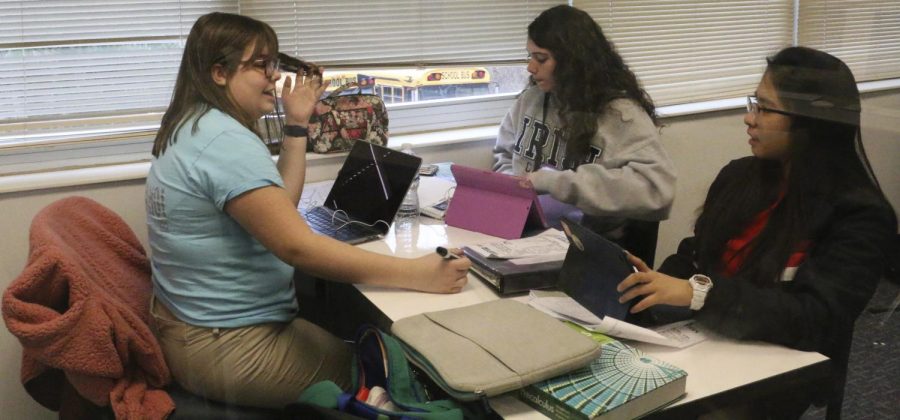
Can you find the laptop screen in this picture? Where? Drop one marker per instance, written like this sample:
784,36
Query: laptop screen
372,183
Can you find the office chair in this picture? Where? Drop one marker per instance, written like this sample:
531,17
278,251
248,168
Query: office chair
640,239
892,274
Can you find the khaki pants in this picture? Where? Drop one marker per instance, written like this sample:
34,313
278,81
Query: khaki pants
265,365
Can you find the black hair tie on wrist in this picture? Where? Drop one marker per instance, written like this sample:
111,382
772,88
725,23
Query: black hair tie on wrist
295,131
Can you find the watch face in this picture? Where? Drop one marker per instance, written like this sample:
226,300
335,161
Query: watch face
701,282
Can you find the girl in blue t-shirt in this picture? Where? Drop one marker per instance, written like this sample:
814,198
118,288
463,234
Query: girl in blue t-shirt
225,233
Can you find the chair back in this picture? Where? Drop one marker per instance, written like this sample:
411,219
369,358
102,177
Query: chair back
640,239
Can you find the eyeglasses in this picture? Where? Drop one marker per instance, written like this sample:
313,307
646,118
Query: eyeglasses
755,108
267,65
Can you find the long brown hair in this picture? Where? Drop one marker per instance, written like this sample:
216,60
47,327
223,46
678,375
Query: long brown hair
215,38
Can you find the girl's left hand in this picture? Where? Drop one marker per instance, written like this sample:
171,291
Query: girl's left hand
657,288
300,101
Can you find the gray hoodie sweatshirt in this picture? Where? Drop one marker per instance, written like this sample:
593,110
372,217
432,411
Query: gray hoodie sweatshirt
628,173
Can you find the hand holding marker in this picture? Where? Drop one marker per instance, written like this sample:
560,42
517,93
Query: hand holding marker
445,253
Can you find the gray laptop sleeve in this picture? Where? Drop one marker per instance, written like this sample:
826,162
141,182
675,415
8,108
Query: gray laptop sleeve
490,348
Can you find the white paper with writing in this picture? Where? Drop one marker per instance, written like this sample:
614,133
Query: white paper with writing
550,245
680,334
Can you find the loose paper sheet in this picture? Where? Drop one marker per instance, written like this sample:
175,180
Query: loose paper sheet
550,245
680,334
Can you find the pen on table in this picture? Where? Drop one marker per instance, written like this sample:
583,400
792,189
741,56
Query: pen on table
445,253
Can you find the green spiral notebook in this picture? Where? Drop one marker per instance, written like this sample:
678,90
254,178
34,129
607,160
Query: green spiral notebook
623,383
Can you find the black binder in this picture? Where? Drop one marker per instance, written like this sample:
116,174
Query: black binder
508,278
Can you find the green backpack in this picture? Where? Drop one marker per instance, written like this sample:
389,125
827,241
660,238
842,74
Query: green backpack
379,360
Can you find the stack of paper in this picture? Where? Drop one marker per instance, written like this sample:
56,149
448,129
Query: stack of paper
550,245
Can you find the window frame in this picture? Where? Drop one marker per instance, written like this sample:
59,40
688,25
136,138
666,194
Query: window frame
70,147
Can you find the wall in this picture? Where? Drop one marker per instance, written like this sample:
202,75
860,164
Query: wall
699,145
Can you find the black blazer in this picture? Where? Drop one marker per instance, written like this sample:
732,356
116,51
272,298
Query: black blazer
853,233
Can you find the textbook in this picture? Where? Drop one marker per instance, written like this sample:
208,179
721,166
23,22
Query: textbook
623,383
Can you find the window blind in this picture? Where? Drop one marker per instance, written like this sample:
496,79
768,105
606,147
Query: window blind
66,59
864,34
684,51
400,32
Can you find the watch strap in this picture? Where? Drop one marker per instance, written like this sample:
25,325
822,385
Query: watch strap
698,299
295,131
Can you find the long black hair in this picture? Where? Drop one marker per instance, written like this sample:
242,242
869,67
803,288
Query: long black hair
589,74
825,156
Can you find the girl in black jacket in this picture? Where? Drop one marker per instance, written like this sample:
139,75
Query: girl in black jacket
791,242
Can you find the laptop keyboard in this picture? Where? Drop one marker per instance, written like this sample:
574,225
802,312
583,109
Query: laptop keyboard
320,220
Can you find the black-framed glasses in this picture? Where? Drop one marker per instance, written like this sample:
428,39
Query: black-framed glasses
268,65
755,108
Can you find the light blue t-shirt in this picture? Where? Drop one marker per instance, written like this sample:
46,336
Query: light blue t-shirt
205,266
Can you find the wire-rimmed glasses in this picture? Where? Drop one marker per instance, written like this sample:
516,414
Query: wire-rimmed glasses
755,108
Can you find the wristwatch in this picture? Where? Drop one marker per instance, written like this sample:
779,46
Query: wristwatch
295,131
701,285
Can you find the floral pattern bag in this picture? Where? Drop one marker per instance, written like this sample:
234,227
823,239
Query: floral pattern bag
340,119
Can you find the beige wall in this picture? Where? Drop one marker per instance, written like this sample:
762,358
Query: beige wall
700,145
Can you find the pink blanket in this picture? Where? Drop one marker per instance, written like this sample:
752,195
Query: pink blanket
80,308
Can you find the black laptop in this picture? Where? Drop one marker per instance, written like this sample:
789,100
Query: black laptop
593,267
366,194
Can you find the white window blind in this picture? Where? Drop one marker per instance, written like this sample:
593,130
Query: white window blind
864,34
400,32
67,59
684,51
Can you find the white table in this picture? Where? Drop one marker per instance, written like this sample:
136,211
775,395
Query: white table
718,369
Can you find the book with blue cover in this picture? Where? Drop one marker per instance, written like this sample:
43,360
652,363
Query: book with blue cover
623,383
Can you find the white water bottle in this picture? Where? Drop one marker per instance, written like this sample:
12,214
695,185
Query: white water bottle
408,214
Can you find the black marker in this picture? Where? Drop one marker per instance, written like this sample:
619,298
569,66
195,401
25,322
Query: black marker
445,253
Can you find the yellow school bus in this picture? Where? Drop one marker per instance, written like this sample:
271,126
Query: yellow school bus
402,85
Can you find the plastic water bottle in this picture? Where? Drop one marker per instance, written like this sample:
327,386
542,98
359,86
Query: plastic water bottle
408,214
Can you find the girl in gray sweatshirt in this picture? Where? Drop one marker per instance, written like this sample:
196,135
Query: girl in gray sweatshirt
584,131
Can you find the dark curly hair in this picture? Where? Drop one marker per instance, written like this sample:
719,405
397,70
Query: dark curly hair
589,73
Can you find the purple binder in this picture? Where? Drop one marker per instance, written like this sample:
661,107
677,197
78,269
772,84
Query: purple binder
493,203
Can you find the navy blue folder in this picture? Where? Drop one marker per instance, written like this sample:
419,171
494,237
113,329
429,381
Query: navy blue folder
593,267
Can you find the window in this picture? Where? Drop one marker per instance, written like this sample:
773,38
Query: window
86,81
467,48
414,85
410,33
691,50
75,66
863,34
